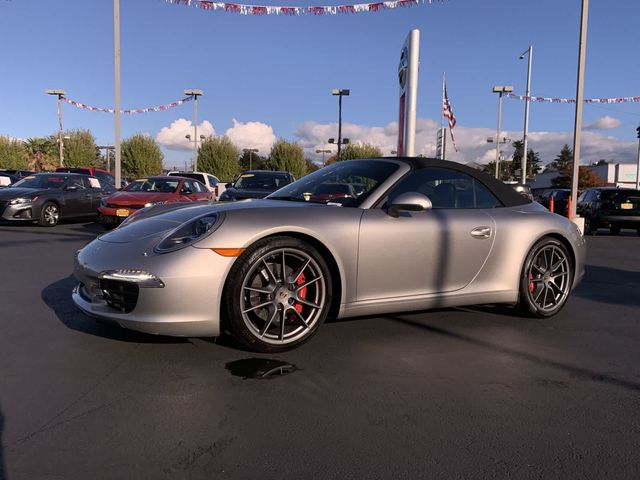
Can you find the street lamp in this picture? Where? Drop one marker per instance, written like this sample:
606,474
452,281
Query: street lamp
195,93
107,149
250,151
529,53
638,165
344,141
329,151
59,93
339,92
500,90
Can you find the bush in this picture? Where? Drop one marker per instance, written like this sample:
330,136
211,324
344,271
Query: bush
219,157
141,156
288,157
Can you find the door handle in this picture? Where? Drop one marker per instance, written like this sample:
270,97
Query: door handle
481,232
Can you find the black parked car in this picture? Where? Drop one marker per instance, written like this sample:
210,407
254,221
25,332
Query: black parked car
256,184
610,207
47,198
560,200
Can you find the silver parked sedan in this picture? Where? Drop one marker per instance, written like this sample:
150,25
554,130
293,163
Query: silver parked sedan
404,234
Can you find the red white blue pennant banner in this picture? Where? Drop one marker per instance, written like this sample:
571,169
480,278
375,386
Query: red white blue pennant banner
297,11
131,111
573,100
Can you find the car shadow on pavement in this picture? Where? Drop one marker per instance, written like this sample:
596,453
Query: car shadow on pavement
610,285
57,296
577,372
3,474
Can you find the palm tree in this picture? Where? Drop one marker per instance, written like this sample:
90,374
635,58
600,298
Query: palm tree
42,153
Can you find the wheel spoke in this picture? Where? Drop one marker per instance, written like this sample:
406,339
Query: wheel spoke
306,302
257,306
273,277
538,295
552,285
268,324
304,322
259,290
283,276
544,298
283,317
300,270
306,284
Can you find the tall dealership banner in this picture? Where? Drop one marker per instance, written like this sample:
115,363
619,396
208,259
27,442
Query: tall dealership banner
244,9
408,78
573,100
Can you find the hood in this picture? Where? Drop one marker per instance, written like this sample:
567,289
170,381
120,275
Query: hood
10,193
138,198
159,220
242,193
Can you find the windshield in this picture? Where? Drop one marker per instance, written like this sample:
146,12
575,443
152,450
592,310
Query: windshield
261,181
41,181
195,176
345,183
153,185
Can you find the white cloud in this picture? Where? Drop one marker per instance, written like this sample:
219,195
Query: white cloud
173,137
252,135
604,123
472,142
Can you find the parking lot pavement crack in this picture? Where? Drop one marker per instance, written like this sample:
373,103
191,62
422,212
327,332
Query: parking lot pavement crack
48,425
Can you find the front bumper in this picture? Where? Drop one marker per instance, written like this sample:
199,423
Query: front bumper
188,304
623,221
22,212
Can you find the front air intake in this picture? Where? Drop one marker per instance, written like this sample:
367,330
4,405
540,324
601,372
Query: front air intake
121,296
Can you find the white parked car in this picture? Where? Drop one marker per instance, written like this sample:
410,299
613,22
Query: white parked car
211,181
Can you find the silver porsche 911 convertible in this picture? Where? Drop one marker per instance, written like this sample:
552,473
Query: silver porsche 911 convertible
358,237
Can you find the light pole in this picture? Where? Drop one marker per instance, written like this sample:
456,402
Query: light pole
327,151
577,129
107,150
529,52
195,94
188,137
250,151
500,90
116,71
59,93
340,92
638,166
344,141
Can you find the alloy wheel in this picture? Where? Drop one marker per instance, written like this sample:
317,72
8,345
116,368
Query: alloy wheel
51,214
549,275
283,295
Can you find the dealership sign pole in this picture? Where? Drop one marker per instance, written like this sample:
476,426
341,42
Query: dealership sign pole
408,77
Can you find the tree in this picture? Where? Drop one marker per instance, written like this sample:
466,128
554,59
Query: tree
587,178
311,166
564,160
289,157
363,150
141,156
506,169
42,153
80,149
13,154
255,162
218,156
533,161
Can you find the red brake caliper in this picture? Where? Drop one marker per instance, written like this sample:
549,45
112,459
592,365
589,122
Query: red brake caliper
532,285
302,294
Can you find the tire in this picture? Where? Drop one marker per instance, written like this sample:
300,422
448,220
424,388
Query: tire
589,227
614,230
49,215
269,313
546,279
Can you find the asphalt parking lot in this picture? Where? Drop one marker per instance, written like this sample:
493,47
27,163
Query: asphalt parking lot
457,393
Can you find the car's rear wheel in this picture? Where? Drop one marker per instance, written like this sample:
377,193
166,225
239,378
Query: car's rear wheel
277,295
589,227
49,215
546,278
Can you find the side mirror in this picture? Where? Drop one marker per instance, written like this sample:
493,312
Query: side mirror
409,202
228,185
71,188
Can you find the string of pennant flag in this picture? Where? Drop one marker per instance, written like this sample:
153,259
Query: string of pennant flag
293,11
158,108
573,100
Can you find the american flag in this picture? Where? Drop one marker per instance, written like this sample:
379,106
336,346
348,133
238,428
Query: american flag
447,112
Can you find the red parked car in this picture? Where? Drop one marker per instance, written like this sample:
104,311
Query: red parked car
150,191
100,174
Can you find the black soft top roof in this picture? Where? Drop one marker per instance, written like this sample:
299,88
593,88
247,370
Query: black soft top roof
505,193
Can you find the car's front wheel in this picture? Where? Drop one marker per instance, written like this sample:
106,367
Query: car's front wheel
277,295
49,215
546,278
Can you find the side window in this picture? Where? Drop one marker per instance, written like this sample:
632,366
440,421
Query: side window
79,182
447,189
188,187
213,181
199,187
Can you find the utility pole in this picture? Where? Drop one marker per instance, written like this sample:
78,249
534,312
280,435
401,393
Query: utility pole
60,94
500,90
638,165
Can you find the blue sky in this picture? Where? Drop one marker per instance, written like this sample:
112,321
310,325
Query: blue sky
277,72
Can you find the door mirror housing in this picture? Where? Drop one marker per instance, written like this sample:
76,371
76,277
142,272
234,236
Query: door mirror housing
228,185
70,188
409,202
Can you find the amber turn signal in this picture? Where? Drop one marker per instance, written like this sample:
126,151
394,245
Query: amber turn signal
229,252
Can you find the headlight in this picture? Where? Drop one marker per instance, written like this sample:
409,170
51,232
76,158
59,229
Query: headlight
151,204
188,233
21,201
